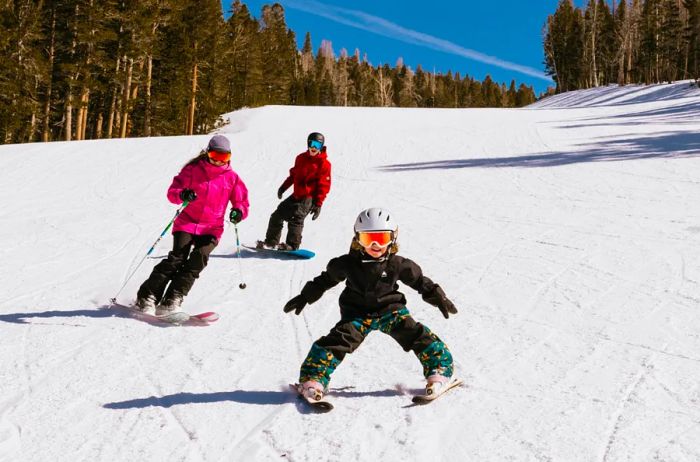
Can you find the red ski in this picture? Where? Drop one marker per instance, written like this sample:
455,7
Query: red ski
178,318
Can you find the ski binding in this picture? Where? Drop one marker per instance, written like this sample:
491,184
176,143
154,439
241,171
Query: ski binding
431,396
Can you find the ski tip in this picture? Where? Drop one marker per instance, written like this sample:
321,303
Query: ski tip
322,406
209,316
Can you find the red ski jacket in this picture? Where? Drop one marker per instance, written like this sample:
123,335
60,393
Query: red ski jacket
311,177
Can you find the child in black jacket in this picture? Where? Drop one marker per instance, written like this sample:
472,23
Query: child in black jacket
371,301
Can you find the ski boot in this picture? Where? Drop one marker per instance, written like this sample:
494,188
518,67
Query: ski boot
170,304
286,247
265,246
435,384
146,304
311,390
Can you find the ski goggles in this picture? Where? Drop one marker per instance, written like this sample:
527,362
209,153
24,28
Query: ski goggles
381,238
315,144
219,156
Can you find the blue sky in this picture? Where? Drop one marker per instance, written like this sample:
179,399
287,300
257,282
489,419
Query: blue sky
502,39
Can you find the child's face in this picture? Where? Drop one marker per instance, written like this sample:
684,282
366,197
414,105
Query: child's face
375,251
218,163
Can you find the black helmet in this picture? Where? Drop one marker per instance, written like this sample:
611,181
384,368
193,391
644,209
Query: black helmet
315,136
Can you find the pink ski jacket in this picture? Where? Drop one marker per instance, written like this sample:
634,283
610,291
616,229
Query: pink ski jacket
215,187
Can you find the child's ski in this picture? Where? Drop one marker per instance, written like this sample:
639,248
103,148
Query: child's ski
320,405
430,397
177,318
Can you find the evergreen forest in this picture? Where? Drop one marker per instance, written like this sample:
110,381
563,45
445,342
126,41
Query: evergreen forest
94,69
623,42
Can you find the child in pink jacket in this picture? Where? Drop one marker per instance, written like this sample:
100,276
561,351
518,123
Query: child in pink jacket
208,184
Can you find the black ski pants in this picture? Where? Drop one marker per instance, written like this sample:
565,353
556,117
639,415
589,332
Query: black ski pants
293,211
181,268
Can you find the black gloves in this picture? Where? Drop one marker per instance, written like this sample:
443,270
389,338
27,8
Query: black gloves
280,192
446,307
188,195
315,211
437,297
235,216
296,304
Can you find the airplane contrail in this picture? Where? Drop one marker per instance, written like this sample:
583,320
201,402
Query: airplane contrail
380,26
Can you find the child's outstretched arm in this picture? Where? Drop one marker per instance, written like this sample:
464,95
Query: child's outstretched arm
412,275
314,289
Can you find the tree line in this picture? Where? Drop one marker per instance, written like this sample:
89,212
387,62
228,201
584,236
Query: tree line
91,69
628,41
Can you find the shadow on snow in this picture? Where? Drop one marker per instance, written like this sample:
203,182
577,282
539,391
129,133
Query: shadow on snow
683,114
104,311
669,145
240,396
614,95
261,398
101,312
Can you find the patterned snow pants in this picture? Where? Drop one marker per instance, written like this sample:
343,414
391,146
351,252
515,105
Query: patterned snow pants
345,337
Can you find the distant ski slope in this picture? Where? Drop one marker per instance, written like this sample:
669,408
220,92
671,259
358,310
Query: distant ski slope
567,234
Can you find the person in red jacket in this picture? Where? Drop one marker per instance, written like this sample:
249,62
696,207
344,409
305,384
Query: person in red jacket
311,178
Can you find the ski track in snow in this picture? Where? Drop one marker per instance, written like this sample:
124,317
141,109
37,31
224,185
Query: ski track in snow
566,233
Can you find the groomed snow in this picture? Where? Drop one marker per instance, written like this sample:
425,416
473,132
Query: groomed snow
567,234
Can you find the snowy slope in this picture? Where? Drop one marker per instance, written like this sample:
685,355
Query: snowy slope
567,234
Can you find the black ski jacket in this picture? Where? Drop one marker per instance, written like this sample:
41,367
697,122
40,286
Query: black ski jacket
371,287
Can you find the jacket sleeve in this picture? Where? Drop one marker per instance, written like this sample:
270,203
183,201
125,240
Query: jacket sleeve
290,179
239,197
324,184
181,181
334,274
412,275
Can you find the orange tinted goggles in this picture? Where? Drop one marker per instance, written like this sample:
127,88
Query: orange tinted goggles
381,238
219,156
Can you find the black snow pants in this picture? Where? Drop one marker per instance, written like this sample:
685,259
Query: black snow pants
293,211
188,258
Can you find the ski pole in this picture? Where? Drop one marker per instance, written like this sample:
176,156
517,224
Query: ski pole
242,285
113,300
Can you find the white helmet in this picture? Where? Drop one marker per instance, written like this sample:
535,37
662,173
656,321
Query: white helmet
375,219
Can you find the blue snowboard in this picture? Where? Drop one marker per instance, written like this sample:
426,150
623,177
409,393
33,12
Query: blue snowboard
301,254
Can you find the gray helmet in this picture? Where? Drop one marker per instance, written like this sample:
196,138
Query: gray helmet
315,136
375,219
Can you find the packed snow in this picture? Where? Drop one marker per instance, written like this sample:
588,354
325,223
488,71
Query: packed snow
566,233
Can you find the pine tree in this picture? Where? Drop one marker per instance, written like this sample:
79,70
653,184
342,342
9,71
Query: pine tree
512,95
605,51
241,30
671,41
491,93
525,96
650,53
278,46
21,67
563,46
693,37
